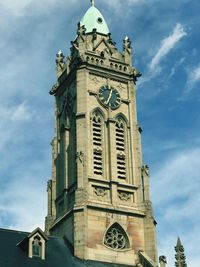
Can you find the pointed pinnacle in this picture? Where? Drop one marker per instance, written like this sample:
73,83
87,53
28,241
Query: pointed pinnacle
179,242
92,2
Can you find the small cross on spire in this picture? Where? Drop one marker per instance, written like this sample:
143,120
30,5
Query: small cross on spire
92,2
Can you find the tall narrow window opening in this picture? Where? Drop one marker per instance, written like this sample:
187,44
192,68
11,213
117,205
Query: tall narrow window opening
37,247
97,143
120,132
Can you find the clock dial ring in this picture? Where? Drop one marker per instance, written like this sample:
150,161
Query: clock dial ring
109,97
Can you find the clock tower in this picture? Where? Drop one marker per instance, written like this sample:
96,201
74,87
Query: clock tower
98,197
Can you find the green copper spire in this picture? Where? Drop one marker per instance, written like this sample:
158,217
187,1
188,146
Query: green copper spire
93,19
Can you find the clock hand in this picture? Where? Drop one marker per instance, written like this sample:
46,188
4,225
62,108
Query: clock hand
110,95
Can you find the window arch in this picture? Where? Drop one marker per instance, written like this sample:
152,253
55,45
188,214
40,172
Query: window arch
116,238
121,147
97,142
37,247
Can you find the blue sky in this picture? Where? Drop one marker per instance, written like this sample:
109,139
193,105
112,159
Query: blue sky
165,36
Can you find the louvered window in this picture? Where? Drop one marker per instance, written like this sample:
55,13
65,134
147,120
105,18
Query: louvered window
97,144
120,148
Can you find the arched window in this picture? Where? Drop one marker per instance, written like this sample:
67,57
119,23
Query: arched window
37,247
116,238
97,135
120,132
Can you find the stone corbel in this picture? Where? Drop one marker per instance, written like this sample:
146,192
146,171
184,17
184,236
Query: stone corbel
136,74
53,89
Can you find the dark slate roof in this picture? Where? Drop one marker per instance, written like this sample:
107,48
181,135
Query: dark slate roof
58,253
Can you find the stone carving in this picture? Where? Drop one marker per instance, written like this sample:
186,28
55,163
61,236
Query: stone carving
116,238
162,259
60,62
124,196
81,30
80,157
136,74
95,80
53,89
100,192
127,43
145,169
120,86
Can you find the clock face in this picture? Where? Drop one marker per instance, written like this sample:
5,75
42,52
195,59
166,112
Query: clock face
109,97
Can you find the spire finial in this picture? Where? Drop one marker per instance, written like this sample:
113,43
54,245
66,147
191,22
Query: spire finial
92,2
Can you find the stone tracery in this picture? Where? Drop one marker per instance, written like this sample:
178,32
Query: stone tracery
116,238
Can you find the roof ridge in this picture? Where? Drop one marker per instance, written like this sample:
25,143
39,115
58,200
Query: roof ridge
11,230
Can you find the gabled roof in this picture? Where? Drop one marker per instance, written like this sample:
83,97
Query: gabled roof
58,253
29,235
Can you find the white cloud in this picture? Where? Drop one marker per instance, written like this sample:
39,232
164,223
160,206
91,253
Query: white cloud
167,45
21,113
176,66
16,113
18,7
178,171
193,77
23,199
11,120
117,4
176,195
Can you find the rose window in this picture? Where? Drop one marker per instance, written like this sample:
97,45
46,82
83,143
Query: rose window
116,238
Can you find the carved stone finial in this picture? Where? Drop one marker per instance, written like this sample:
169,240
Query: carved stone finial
59,57
60,62
92,2
81,30
127,43
162,261
180,255
127,50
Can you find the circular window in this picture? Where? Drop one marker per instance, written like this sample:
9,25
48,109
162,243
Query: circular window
100,20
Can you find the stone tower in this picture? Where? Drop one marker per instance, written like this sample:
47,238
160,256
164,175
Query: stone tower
98,198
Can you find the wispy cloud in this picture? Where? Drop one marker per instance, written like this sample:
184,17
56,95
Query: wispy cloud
167,45
174,172
15,113
193,77
26,210
21,113
18,7
177,207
